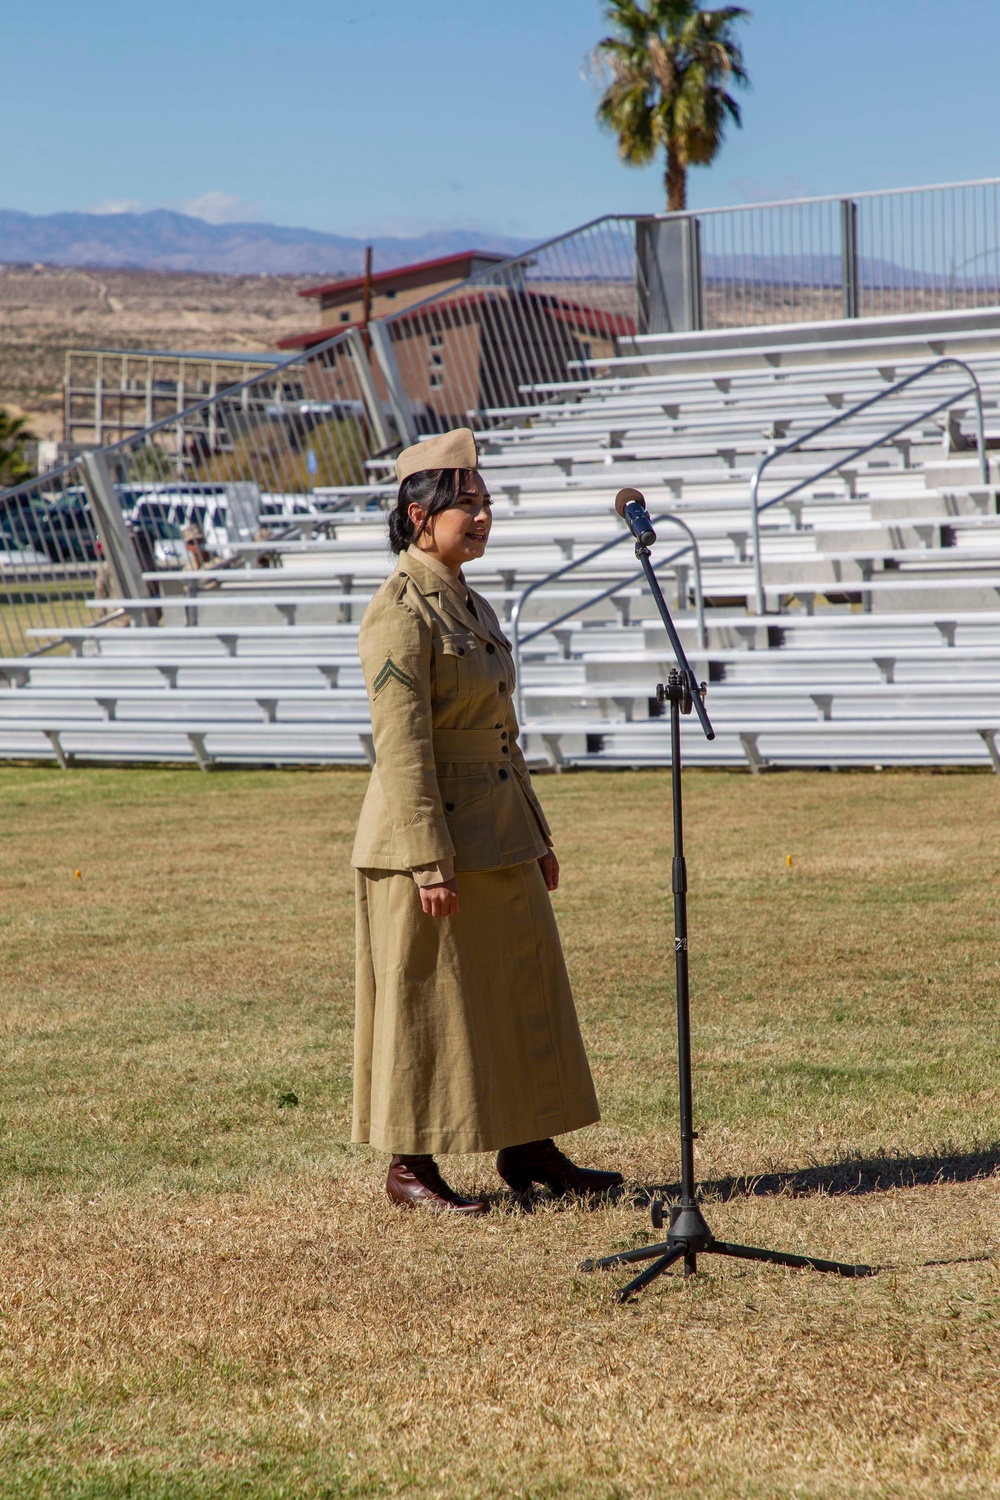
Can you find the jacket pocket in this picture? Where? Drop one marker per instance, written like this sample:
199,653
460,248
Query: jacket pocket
454,655
469,815
518,829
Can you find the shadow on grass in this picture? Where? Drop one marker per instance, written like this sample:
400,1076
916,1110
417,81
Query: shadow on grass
853,1177
856,1175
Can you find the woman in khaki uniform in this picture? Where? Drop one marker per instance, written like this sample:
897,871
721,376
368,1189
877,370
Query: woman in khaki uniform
466,1033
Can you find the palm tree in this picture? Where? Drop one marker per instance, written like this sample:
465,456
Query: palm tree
14,435
670,64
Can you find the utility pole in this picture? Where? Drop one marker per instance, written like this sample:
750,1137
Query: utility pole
366,305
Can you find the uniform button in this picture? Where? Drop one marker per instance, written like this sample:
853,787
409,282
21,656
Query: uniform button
503,735
449,807
490,647
504,750
461,650
501,687
503,774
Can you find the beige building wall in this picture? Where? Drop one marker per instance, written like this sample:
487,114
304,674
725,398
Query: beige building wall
440,367
335,313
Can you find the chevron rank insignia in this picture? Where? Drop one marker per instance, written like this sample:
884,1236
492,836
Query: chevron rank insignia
389,672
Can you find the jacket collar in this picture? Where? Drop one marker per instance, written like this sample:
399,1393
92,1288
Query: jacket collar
432,577
454,582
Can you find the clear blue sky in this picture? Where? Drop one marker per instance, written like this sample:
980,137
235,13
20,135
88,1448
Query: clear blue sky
397,116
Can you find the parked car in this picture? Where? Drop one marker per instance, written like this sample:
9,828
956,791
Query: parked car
21,523
17,550
67,529
161,536
128,498
183,505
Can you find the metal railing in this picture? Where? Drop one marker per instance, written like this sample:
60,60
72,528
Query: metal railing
591,600
476,351
487,351
230,467
287,438
886,437
496,345
910,250
110,394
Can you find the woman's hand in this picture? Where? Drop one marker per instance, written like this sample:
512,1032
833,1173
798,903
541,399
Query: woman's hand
440,900
549,866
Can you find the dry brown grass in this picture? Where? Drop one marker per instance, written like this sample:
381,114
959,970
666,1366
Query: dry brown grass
203,1294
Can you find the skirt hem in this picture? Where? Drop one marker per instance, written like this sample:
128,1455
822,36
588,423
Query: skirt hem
448,1143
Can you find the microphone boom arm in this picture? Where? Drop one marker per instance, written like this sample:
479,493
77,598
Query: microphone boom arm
694,689
631,506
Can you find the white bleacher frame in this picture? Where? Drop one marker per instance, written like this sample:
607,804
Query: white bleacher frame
857,554
756,506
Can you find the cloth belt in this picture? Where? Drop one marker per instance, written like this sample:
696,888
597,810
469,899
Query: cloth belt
471,745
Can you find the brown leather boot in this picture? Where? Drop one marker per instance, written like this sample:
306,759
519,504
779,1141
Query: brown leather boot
542,1161
415,1182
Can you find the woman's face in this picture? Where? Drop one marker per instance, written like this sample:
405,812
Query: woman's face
459,534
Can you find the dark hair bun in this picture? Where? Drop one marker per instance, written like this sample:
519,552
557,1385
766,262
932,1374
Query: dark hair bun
433,490
401,530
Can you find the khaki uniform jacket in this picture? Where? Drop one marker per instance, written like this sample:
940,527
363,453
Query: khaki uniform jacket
450,782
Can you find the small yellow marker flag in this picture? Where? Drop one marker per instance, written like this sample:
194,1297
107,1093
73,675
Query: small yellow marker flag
788,861
77,875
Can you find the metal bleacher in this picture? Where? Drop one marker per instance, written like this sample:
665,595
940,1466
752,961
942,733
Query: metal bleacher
879,644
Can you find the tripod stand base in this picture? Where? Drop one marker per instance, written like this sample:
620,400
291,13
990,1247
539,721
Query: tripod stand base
676,1246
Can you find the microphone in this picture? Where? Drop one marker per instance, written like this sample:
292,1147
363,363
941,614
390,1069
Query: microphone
631,506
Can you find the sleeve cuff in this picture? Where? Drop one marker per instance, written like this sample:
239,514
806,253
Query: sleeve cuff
434,874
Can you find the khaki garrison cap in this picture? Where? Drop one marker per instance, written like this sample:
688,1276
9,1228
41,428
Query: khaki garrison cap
452,450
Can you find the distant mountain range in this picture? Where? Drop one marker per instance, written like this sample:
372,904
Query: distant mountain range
162,240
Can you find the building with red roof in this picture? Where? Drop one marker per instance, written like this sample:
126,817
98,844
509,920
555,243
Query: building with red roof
341,303
465,345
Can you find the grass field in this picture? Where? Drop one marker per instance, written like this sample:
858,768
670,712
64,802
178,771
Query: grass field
65,609
203,1292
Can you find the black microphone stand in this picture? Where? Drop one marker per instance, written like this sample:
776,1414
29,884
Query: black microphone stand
689,1235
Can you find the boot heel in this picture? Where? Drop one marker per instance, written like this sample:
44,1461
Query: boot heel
517,1182
517,1179
541,1162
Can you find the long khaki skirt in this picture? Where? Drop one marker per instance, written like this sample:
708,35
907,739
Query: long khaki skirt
466,1035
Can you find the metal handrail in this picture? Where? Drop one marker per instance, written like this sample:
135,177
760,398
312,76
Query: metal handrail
756,507
765,203
691,545
526,257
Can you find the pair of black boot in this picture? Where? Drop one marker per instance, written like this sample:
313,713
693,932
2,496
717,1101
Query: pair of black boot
416,1181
